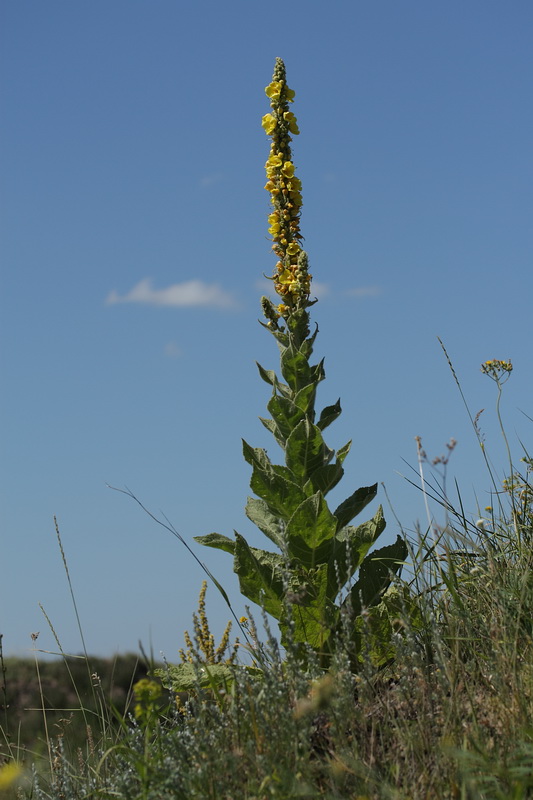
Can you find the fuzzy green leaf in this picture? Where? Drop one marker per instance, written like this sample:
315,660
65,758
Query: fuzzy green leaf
375,574
313,616
218,541
295,368
260,576
269,376
271,426
325,478
351,507
282,495
343,452
310,531
350,548
255,456
306,451
317,372
329,415
267,522
305,399
285,414
190,677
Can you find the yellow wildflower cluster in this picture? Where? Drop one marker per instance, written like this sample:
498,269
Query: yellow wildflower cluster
496,369
147,694
205,650
291,277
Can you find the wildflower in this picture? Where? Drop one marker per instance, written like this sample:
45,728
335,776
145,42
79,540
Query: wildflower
496,369
269,123
291,278
146,694
289,117
9,774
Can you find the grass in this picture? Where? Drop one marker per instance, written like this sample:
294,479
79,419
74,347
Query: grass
448,713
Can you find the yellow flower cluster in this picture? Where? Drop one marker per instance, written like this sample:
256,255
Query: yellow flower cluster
291,278
495,369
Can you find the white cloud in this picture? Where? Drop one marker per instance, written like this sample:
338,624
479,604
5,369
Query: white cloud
173,350
364,291
179,295
209,180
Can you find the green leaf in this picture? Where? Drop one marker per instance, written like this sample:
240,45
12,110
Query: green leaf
286,415
295,368
314,617
260,576
310,531
350,548
306,451
255,456
218,541
282,495
189,677
325,478
271,426
318,373
307,346
375,574
269,376
353,506
343,452
329,415
305,399
260,514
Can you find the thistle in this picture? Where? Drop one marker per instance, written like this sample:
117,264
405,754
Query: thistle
319,552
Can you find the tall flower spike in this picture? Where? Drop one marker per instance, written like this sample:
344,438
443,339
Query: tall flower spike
292,280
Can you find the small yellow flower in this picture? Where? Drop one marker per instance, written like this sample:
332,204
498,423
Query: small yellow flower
243,620
274,160
9,774
288,169
289,117
273,90
285,277
269,123
293,248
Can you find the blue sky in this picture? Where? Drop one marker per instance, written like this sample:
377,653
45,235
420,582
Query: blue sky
133,247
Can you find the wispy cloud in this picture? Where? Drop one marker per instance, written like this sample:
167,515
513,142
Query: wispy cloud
364,291
209,180
180,295
173,350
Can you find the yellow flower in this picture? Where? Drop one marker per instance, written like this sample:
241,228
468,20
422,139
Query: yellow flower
274,160
273,90
9,774
269,123
289,117
293,248
288,169
290,94
285,277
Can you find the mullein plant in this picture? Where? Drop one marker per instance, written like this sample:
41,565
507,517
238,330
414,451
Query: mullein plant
321,580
